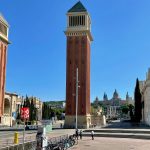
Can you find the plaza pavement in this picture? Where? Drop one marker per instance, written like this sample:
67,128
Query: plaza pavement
100,143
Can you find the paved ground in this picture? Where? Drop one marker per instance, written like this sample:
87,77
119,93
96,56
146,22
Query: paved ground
111,144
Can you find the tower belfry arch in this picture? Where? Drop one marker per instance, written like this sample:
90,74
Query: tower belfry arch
79,38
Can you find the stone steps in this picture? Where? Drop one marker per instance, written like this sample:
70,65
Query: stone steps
120,133
142,131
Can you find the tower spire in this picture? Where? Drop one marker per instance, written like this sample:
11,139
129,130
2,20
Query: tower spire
105,97
78,7
127,96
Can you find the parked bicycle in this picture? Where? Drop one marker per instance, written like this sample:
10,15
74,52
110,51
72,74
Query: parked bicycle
63,143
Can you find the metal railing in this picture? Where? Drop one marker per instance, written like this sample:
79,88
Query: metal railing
31,145
61,142
7,140
58,139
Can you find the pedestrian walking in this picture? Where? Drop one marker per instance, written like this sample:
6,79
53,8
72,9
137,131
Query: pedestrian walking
92,134
80,134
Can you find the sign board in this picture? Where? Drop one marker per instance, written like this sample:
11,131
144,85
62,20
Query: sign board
14,115
25,113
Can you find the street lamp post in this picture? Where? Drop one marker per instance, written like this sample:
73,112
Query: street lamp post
77,81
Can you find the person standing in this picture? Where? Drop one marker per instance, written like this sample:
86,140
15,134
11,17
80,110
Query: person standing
61,125
92,134
80,134
77,134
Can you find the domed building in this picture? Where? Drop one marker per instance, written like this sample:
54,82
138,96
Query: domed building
112,106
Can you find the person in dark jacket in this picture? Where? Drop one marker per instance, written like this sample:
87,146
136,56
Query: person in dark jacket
80,134
77,133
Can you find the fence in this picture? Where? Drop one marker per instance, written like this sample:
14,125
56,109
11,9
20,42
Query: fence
7,140
27,146
56,140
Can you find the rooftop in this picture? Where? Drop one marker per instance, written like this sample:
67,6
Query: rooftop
78,7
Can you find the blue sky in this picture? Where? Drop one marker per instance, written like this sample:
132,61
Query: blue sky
36,63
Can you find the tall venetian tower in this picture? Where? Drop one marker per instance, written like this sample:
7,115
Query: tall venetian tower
4,27
79,39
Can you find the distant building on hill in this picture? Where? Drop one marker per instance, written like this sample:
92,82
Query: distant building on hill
57,104
112,106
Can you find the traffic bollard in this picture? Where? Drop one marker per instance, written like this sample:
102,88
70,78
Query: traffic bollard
16,141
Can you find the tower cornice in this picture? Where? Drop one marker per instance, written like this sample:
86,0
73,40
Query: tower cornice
79,33
4,39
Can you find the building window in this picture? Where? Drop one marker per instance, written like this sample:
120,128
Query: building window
3,29
77,20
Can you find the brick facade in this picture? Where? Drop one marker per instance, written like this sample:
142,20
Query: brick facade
78,56
3,54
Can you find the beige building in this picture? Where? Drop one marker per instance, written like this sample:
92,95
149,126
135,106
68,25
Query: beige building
12,105
9,115
37,103
145,91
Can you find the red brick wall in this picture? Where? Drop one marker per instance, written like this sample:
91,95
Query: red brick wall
78,55
3,53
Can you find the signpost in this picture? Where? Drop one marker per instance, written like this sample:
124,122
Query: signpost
25,113
24,116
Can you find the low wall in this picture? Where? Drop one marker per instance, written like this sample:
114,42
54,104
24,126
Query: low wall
98,120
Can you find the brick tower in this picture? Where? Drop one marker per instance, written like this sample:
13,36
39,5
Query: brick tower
79,38
3,54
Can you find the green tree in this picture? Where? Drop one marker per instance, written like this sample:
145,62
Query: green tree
26,102
18,116
124,109
43,110
46,111
138,103
131,108
32,111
